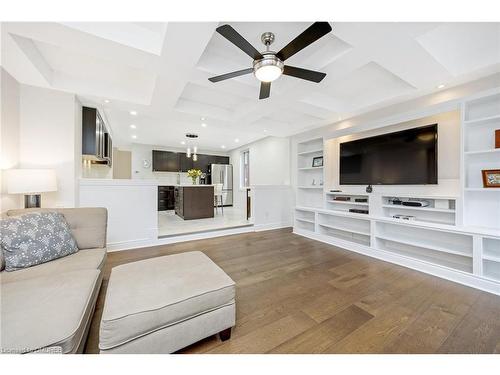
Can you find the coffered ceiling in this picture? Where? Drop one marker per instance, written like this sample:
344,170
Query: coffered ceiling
161,71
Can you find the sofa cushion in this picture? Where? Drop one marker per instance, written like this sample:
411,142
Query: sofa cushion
2,260
151,294
35,238
90,259
48,311
88,224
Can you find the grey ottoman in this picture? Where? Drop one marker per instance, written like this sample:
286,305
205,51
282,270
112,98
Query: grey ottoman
163,304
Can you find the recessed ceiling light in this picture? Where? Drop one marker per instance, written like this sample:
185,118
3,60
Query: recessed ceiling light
202,119
134,137
440,86
183,143
236,140
133,113
222,146
265,131
106,101
203,124
133,126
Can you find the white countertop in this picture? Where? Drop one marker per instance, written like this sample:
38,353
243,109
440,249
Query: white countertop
188,185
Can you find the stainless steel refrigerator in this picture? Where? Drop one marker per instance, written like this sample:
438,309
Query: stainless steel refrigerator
223,174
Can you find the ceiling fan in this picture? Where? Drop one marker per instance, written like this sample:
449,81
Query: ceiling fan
269,65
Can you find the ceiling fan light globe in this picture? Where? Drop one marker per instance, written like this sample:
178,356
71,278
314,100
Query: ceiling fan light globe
268,73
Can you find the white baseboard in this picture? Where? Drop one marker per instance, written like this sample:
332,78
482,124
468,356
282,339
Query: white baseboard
147,242
432,269
271,226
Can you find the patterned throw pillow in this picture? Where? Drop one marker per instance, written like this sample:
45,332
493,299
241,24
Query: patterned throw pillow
35,238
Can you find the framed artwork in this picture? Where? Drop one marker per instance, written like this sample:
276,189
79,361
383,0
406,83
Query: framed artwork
491,178
318,161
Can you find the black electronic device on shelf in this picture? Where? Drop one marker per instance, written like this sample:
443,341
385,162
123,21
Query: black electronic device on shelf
358,211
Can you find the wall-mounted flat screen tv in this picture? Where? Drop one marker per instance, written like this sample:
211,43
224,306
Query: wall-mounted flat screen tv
407,157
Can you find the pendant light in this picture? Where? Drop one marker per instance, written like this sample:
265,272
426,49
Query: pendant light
191,136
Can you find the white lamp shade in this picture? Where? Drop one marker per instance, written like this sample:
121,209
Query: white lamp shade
30,181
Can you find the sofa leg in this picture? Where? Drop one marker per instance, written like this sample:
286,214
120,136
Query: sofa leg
225,335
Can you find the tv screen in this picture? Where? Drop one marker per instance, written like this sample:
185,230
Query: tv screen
407,157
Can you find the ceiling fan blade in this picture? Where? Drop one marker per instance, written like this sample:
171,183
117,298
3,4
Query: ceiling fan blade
265,90
232,35
230,75
309,75
308,36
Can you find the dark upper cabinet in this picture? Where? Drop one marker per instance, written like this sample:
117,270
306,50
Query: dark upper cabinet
165,161
222,160
96,140
185,163
202,163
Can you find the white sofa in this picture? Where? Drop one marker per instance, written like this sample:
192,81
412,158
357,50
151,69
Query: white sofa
49,307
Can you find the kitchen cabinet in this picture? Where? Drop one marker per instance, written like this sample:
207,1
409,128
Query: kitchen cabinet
165,161
96,139
166,198
202,163
185,163
194,202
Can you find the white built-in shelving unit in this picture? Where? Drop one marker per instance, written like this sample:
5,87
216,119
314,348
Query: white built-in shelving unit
441,210
456,236
310,179
335,201
480,119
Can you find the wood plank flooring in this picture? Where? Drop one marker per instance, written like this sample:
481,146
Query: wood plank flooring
296,295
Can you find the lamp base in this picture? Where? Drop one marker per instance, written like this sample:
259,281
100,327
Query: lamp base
32,201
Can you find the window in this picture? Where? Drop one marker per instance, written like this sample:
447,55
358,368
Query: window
245,169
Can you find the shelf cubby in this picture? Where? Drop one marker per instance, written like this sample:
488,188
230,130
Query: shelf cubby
345,206
437,241
441,210
491,269
422,253
344,235
309,179
481,118
350,224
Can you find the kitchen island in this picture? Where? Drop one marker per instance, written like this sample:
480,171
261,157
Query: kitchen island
194,201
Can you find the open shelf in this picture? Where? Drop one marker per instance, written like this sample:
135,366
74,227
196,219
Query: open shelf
452,261
493,152
445,242
310,168
491,269
307,153
431,209
345,206
348,203
361,239
344,229
440,210
309,179
481,118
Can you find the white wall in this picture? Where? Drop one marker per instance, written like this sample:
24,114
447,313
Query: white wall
9,135
50,137
269,165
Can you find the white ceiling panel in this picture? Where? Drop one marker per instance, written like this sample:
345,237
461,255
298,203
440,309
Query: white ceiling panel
463,47
161,71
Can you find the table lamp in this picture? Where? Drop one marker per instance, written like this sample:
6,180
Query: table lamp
31,182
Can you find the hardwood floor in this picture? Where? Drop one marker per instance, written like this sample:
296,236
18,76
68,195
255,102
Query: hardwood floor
296,295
